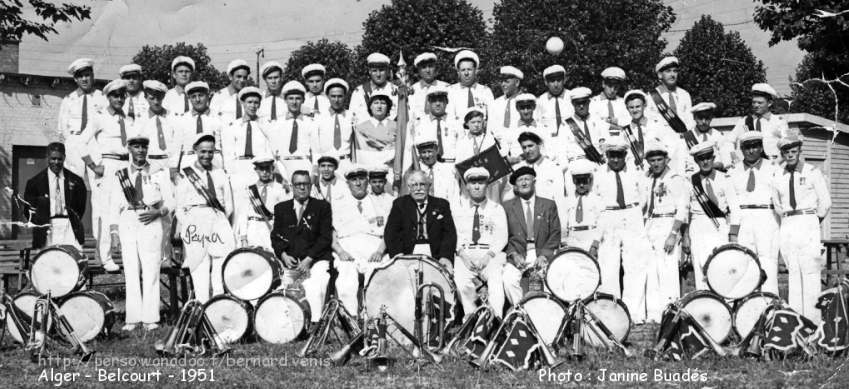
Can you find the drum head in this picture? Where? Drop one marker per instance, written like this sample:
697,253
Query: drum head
547,314
711,312
572,275
394,286
279,319
230,317
733,272
749,310
26,303
250,273
55,270
86,312
613,313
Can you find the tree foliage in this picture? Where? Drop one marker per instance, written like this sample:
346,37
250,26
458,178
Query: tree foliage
815,97
156,63
14,25
336,57
597,34
718,66
416,26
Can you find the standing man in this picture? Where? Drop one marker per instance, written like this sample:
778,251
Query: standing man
475,141
273,106
526,105
135,104
607,105
669,101
641,130
581,210
714,211
624,244
441,175
302,237
75,112
291,135
328,186
378,71
554,106
244,139
425,64
801,197
666,212
703,132
421,224
467,92
225,103
587,131
752,179
533,227
315,102
548,181
254,202
377,185
204,205
187,127
503,115
481,238
438,125
773,127
59,198
139,199
177,98
154,123
335,124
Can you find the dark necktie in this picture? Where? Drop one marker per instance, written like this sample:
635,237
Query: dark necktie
263,193
84,120
704,136
476,226
610,115
579,210
507,113
439,137
238,109
273,107
123,130
750,185
185,102
471,102
477,144
210,185
59,199
620,194
249,147
360,206
640,143
337,132
651,197
432,184
199,127
420,233
557,116
293,140
672,106
709,191
587,132
160,135
758,124
131,112
315,106
529,220
138,184
792,188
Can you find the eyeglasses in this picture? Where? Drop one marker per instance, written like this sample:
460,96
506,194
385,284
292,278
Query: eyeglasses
418,185
703,157
301,184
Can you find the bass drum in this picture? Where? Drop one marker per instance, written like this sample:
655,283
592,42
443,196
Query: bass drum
90,313
733,271
573,274
25,303
230,317
280,319
58,270
611,312
394,286
251,272
710,311
748,310
547,313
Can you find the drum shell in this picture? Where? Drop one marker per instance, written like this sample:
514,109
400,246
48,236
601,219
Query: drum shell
552,273
215,320
706,324
42,278
621,332
80,319
276,272
301,303
551,330
712,260
25,301
738,306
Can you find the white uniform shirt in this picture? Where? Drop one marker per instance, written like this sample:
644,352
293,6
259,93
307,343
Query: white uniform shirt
418,100
56,191
359,107
492,224
311,101
810,189
224,103
234,139
274,193
773,128
382,202
71,111
547,105
332,191
185,131
469,145
592,205
498,112
604,183
323,142
103,135
683,104
726,198
671,195
723,150
266,103
280,134
458,99
186,194
349,221
762,192
157,191
600,108
549,179
444,178
146,124
176,101
599,129
426,126
138,103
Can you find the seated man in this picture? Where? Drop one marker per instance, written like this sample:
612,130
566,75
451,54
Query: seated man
533,227
481,237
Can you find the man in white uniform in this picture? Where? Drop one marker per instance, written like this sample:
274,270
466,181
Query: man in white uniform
425,64
254,203
773,127
379,74
177,99
225,103
607,105
467,92
315,102
75,112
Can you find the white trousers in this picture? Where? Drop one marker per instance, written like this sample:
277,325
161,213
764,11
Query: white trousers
491,273
100,217
207,239
241,173
141,253
61,232
512,276
582,239
361,247
624,241
258,234
663,284
314,284
704,237
801,250
759,232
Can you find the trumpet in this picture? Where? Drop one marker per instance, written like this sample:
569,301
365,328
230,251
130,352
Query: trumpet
37,340
577,351
424,331
603,333
334,312
216,343
19,319
189,333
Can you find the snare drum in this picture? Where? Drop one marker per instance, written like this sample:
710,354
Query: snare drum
90,313
572,275
230,317
59,270
394,286
279,318
251,272
611,312
25,302
733,271
748,310
710,311
547,313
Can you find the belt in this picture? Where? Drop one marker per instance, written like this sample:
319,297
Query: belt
244,157
257,219
798,212
59,217
757,206
119,157
581,228
448,159
343,157
659,215
157,157
530,241
481,246
192,152
138,208
618,208
292,157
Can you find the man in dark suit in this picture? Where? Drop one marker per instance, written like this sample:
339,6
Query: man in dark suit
421,224
59,198
302,237
534,232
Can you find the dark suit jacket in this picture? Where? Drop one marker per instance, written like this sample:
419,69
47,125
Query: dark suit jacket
546,227
311,236
37,193
400,232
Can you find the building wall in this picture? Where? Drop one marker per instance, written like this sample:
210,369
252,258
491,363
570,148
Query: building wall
840,187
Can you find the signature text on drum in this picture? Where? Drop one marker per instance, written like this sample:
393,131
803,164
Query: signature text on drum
192,236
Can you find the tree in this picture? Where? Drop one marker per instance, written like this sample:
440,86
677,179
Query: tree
14,25
824,36
156,63
336,57
597,34
718,67
416,26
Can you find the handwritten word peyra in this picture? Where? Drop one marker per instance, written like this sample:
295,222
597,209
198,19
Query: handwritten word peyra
191,235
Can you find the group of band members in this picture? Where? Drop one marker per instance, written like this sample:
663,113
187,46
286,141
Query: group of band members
293,170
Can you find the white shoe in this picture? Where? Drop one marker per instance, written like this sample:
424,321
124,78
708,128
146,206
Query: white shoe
151,326
129,327
110,266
